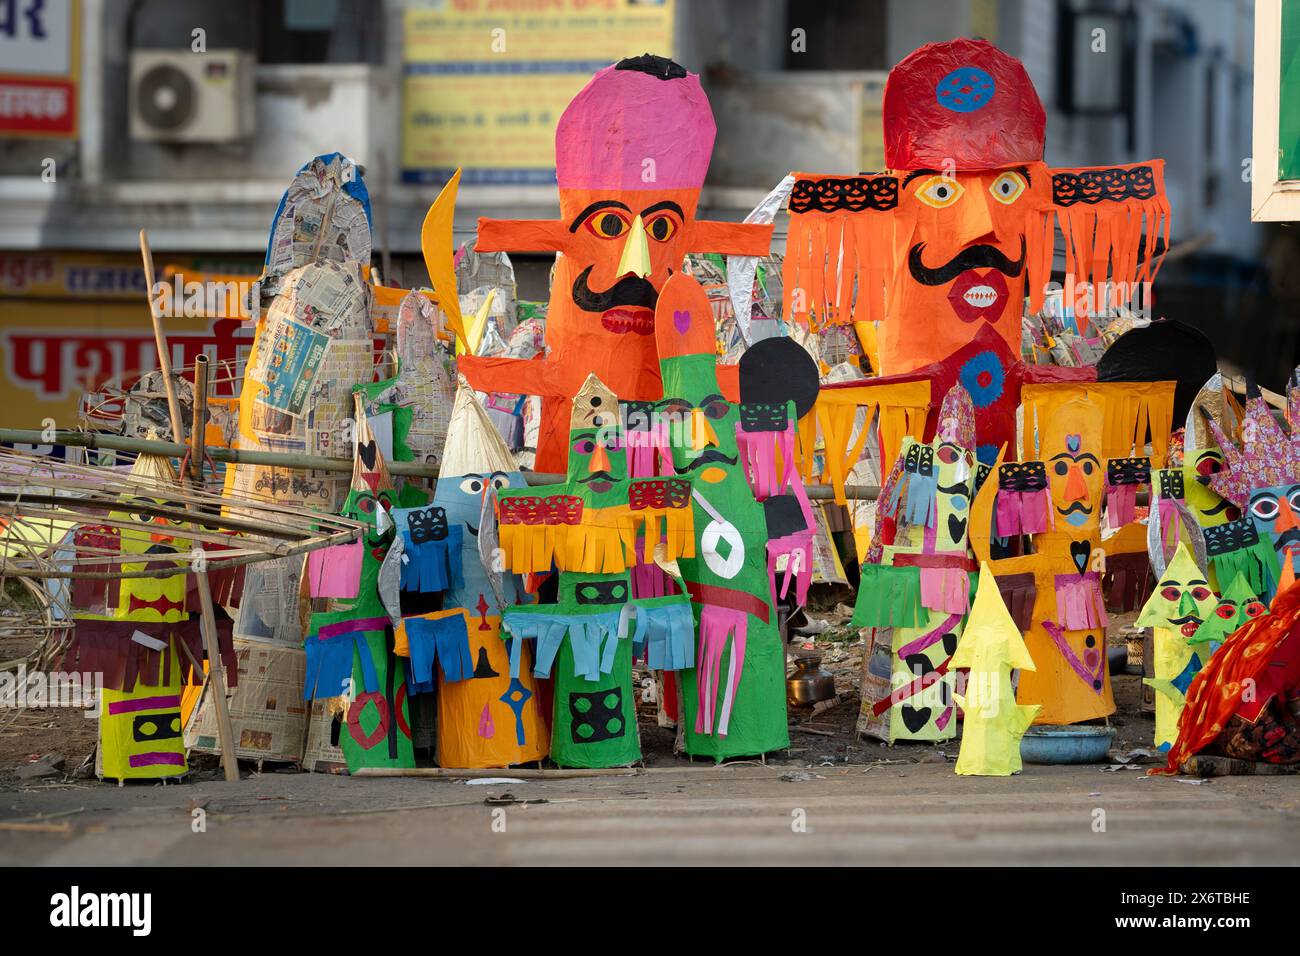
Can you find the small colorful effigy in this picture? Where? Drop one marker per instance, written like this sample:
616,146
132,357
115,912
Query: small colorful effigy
916,583
1176,611
587,528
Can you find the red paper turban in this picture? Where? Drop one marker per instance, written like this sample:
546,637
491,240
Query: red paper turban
963,102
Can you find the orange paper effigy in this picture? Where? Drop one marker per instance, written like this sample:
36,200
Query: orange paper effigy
957,235
631,153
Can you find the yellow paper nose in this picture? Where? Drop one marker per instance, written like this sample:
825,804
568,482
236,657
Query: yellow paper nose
702,433
973,219
636,252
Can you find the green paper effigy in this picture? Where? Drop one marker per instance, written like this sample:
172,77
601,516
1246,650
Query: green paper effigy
729,568
585,522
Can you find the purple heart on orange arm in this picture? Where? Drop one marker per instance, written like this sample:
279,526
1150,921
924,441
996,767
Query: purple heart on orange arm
681,320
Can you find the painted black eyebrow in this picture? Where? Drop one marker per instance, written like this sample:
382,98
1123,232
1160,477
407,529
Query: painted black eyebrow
1024,171
594,207
919,172
666,204
1086,456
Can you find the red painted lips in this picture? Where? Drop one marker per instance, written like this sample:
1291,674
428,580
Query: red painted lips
976,296
632,318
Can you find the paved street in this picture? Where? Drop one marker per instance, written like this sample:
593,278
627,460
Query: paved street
884,814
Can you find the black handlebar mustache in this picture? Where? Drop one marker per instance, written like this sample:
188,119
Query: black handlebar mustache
972,257
629,290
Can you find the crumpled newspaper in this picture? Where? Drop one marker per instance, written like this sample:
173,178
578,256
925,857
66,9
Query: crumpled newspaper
742,269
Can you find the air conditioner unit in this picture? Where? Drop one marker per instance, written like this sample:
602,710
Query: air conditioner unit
178,96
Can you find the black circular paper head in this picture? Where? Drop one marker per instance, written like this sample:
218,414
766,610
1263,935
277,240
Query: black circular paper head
1165,351
779,369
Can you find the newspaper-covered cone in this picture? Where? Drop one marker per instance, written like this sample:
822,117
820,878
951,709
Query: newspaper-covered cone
474,446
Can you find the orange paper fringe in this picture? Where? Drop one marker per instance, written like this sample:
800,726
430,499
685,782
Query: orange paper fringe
841,265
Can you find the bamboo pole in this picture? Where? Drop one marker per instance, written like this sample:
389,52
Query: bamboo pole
239,456
216,675
216,679
160,340
527,773
316,463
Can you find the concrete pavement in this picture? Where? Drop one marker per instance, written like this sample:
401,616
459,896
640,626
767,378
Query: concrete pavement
884,813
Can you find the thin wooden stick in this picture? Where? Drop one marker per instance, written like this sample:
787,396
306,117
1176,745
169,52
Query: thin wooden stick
448,773
216,678
160,340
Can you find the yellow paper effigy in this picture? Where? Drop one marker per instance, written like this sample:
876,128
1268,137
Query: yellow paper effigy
991,646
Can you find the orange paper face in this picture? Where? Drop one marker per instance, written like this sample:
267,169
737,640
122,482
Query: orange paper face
619,249
1070,683
1071,450
615,287
963,250
1070,433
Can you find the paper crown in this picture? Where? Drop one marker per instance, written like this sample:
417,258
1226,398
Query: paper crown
957,419
643,123
962,102
474,446
1267,456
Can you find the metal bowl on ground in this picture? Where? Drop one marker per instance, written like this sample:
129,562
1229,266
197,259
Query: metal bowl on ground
1070,744
809,683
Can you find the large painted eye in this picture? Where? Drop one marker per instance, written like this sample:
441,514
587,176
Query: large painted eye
1200,594
1209,465
661,228
1171,594
1007,188
1226,610
672,409
947,454
1254,609
1293,498
715,409
584,446
607,223
939,192
145,516
473,485
1264,507
366,505
500,481
1061,468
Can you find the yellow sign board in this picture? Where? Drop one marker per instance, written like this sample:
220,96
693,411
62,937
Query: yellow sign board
487,80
